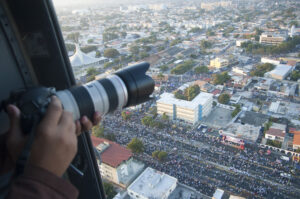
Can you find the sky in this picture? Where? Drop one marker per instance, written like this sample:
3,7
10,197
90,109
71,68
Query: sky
103,2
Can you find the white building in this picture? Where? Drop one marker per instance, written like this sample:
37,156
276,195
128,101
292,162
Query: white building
190,111
274,107
270,61
152,184
80,59
240,42
294,31
115,162
280,72
218,194
271,39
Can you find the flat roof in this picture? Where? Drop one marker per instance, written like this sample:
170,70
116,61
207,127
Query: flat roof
201,98
152,184
281,70
218,194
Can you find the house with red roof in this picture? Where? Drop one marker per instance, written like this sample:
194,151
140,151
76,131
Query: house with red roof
275,134
116,163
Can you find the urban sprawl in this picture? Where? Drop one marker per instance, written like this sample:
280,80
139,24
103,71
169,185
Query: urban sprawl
223,121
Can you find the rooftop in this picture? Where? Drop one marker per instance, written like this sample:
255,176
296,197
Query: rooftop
281,70
256,119
242,131
79,58
201,98
275,132
112,155
278,126
296,140
152,184
218,194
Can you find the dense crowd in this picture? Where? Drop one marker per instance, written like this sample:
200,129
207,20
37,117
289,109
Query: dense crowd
251,173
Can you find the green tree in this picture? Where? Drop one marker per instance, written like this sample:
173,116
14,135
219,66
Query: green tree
134,49
221,78
88,49
179,95
205,44
165,117
143,54
146,48
191,92
295,75
98,131
274,143
73,37
267,126
183,68
261,69
91,71
210,33
214,103
195,30
162,155
107,65
236,111
294,23
147,120
155,154
108,36
109,190
160,76
70,47
98,54
164,68
175,42
224,98
201,69
136,145
111,53
90,41
126,115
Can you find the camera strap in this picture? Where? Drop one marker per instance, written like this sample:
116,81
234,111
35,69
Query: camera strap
7,179
23,158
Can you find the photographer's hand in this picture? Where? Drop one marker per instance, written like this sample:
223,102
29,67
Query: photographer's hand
15,139
55,144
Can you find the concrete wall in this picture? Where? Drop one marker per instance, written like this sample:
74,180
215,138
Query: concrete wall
109,173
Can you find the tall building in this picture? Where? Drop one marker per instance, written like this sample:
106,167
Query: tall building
116,162
271,39
189,111
219,63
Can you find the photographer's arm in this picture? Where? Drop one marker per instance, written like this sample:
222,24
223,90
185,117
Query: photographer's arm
53,150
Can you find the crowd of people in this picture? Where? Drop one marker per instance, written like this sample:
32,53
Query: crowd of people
202,161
